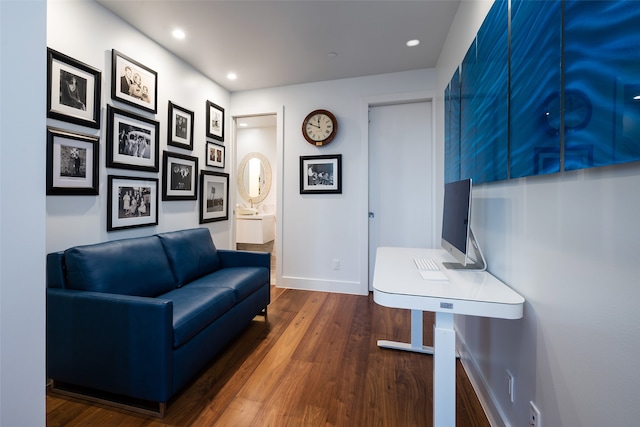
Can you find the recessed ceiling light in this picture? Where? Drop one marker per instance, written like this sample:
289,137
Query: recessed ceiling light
232,76
333,54
178,33
414,42
243,125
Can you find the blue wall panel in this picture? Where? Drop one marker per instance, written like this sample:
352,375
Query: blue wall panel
491,100
452,129
536,54
468,116
602,77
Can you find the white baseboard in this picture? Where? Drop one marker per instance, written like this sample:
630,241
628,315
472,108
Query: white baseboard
494,415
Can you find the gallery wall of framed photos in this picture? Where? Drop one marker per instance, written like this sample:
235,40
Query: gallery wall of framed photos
132,133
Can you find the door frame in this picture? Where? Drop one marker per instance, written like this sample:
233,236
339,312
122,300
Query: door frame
278,181
365,104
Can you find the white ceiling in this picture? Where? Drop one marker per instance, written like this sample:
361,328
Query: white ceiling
276,43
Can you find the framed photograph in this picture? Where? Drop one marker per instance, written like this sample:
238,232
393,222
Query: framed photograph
73,90
133,141
180,127
215,121
132,202
133,83
214,196
215,155
72,163
180,179
321,174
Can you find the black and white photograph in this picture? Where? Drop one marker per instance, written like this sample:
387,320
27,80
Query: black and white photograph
214,196
215,121
132,141
72,163
321,174
215,155
133,83
73,90
180,177
180,127
131,202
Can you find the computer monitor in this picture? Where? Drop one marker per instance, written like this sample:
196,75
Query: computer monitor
457,237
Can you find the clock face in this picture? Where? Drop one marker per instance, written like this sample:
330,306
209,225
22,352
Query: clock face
319,127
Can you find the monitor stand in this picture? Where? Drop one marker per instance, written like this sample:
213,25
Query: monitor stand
480,263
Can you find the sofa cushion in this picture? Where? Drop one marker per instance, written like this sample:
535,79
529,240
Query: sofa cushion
191,254
136,266
194,308
243,281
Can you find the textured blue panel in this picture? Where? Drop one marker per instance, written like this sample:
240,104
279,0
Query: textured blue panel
491,98
468,87
536,54
602,63
452,141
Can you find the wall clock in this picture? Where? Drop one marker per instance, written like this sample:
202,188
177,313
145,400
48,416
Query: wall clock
577,111
319,127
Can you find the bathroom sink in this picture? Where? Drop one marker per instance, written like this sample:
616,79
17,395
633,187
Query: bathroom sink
247,211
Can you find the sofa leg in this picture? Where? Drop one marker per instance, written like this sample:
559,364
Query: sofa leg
264,313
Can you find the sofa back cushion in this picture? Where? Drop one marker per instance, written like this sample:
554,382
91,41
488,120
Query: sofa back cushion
191,254
135,266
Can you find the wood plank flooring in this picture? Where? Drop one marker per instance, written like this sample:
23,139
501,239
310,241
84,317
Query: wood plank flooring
313,362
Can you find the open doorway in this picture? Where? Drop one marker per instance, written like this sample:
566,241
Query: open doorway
256,170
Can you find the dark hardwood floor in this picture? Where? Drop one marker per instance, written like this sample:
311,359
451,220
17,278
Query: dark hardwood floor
313,362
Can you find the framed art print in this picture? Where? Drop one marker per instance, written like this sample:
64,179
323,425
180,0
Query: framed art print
73,90
180,127
133,141
180,179
215,121
214,196
131,202
133,83
321,174
215,155
72,163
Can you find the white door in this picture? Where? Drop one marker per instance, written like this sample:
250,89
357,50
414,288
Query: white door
401,165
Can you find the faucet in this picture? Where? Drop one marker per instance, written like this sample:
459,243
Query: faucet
251,202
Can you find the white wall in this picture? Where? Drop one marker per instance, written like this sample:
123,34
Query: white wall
88,32
317,229
568,243
261,140
22,221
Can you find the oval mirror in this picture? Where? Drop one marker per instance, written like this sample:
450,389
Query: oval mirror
254,177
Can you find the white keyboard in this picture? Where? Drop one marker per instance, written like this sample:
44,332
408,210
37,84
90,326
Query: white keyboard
429,270
426,264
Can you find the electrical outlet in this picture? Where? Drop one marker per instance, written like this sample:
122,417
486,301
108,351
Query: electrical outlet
534,416
336,264
510,387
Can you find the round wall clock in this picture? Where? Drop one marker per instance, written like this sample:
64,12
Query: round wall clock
577,111
319,127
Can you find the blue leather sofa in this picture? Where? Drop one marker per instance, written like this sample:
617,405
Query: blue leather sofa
139,318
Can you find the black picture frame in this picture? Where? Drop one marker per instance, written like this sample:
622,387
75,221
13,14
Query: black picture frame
132,202
215,121
214,196
133,141
215,155
72,163
73,90
180,177
180,129
140,91
321,174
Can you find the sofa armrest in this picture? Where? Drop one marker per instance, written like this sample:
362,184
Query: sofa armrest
231,258
115,343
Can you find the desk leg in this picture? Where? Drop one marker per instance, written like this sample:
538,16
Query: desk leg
444,372
416,337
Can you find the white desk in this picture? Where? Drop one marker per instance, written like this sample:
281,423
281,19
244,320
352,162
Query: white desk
398,284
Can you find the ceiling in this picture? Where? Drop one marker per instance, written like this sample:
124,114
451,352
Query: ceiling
277,43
